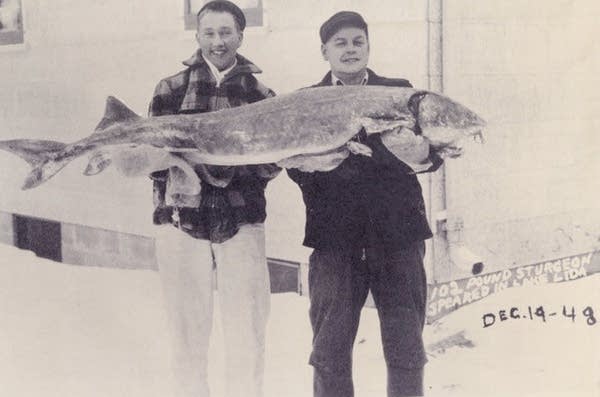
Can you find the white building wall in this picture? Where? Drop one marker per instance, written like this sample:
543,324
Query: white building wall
531,69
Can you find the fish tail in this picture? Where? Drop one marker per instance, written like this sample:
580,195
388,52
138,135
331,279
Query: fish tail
40,155
43,172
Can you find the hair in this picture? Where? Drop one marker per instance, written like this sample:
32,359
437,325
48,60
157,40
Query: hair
342,19
224,6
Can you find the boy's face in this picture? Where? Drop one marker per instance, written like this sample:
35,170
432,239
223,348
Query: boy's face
218,38
347,51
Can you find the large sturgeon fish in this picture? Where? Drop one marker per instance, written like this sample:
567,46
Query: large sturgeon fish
309,129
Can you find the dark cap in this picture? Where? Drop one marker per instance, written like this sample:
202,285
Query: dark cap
340,20
226,6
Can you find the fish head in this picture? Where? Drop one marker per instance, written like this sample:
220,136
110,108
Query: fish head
445,122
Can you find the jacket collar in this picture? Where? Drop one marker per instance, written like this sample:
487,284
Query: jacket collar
374,79
195,99
337,81
243,64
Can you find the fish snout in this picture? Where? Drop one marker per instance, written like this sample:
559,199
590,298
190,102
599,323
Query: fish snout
444,121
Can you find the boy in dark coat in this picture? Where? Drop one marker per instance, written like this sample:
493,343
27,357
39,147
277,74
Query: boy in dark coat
366,222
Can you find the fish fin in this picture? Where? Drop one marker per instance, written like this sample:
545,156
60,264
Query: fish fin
98,162
115,112
44,171
33,179
325,161
40,155
33,151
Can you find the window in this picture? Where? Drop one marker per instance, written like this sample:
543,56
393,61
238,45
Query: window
38,235
253,10
11,22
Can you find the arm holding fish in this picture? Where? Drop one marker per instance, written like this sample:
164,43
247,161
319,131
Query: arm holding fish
389,147
336,164
166,100
221,176
218,175
171,185
385,148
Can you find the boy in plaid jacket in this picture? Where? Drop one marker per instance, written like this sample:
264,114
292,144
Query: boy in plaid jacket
221,229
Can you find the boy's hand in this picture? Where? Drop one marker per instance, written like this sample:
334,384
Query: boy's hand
183,190
359,148
408,147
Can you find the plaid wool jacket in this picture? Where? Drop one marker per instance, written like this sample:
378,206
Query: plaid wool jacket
230,196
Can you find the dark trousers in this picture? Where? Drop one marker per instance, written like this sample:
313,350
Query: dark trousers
339,281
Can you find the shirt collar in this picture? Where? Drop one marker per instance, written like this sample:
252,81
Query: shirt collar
336,81
243,64
219,74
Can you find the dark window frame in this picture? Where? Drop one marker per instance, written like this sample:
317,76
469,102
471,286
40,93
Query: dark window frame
10,37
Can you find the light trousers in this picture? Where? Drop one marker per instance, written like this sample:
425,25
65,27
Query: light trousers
186,269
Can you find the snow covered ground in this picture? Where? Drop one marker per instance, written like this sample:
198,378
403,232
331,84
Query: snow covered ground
81,331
